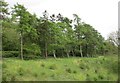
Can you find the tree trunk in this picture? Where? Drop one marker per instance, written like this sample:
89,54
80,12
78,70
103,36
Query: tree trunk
68,54
87,51
46,54
73,53
54,54
81,51
21,43
62,54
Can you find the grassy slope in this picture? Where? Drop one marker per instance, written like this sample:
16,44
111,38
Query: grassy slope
102,68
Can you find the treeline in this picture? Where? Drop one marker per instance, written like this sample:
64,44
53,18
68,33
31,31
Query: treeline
26,35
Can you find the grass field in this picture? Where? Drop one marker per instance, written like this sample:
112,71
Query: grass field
67,69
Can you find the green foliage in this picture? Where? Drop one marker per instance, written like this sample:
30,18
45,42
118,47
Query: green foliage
68,70
42,65
53,35
32,49
8,54
10,39
21,71
3,9
74,71
56,36
53,67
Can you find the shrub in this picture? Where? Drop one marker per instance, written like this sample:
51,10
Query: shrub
95,79
101,77
84,66
13,78
53,75
21,71
65,65
74,71
7,54
103,59
4,65
69,70
35,74
32,49
42,65
87,75
4,78
53,67
43,73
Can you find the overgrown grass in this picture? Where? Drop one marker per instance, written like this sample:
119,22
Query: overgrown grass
73,69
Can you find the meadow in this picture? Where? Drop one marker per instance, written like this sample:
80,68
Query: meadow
102,68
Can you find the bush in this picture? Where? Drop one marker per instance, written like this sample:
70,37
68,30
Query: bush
74,71
96,71
53,67
32,49
13,78
42,65
21,71
4,65
69,70
7,54
84,66
35,74
101,77
53,75
30,56
43,73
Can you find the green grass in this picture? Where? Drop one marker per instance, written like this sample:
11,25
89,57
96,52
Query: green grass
72,69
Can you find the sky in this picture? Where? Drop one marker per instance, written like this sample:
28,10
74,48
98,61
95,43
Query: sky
101,14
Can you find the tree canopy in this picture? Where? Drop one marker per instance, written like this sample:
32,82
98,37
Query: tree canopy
53,35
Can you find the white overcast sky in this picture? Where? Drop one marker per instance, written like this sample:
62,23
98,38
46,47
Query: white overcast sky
101,14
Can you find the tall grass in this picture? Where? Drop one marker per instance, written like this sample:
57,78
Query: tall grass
82,69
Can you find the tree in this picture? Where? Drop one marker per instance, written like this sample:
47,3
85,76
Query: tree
78,34
54,39
9,34
69,36
113,37
23,18
43,30
10,41
54,35
3,9
91,39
